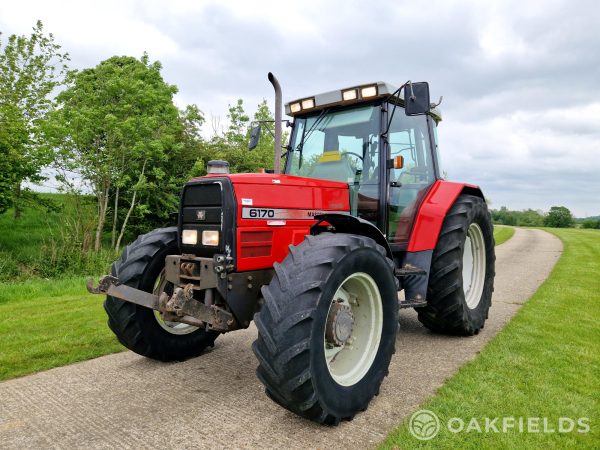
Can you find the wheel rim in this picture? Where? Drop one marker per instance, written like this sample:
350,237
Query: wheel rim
178,328
473,272
355,319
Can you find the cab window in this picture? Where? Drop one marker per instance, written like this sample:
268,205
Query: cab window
343,146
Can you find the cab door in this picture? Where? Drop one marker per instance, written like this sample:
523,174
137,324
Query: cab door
408,137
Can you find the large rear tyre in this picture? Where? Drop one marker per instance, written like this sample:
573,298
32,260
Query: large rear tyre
461,280
140,329
327,329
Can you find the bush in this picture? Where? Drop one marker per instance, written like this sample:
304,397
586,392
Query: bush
591,223
559,217
525,218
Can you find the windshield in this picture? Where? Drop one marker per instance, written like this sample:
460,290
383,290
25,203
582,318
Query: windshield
338,146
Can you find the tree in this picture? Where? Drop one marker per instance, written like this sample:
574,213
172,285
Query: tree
235,135
31,68
159,199
265,150
559,217
13,135
116,127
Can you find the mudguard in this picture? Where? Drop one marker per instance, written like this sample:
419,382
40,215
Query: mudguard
432,213
344,223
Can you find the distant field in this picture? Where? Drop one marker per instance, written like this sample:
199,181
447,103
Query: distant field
545,363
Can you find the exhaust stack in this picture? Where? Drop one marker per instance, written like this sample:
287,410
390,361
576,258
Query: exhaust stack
277,87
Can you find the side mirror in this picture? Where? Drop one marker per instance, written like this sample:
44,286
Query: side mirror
416,99
254,137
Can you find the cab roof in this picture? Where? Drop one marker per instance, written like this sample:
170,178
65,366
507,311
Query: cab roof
336,98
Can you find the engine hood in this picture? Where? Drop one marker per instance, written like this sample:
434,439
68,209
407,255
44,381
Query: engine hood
278,179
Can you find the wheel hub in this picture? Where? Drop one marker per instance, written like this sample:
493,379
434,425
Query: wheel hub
340,322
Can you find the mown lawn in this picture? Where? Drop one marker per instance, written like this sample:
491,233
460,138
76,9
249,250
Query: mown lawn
50,323
544,364
503,234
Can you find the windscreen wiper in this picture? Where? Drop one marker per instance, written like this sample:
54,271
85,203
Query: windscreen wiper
306,134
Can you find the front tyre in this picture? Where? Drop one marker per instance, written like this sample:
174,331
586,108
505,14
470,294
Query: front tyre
327,329
461,280
143,330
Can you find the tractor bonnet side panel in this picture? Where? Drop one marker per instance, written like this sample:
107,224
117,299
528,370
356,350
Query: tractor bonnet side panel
274,211
432,212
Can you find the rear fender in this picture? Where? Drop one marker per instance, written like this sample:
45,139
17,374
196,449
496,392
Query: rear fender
344,223
433,210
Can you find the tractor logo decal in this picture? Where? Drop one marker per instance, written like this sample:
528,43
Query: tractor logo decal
284,214
200,214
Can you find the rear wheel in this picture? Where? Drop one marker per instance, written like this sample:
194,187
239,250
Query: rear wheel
143,330
327,329
461,280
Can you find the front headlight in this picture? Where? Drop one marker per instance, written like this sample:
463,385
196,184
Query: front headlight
210,237
189,237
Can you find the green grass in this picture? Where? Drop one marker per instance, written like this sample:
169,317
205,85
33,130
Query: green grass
47,241
545,363
45,324
22,239
503,234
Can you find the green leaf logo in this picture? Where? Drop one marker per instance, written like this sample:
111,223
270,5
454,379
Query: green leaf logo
424,425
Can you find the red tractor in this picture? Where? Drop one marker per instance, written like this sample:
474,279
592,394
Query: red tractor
316,254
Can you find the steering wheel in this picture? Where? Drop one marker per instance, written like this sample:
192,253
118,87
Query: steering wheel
352,153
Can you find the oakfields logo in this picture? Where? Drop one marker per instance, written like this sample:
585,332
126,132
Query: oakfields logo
425,425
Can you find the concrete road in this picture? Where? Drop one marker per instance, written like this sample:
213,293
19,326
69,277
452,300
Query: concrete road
215,400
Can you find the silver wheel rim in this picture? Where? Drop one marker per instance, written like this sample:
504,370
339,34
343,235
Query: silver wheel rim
171,327
473,273
349,362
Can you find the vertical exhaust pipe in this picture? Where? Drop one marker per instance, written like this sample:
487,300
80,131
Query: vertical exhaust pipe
277,87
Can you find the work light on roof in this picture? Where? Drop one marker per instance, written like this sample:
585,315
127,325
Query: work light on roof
350,94
295,107
368,91
308,103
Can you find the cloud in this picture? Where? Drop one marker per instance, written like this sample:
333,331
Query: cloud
519,79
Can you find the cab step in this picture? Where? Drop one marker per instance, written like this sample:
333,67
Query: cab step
412,304
409,270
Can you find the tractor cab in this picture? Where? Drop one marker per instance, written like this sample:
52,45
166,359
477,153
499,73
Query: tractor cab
363,136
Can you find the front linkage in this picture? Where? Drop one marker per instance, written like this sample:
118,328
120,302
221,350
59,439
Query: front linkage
181,306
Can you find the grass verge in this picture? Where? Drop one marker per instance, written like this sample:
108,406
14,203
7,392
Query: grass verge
50,323
503,234
544,364
49,239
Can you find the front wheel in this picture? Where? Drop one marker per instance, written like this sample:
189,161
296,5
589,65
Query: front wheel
143,330
327,329
461,280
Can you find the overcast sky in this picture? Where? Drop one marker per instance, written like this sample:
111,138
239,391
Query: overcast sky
520,79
